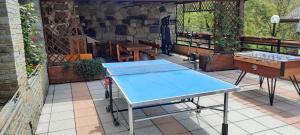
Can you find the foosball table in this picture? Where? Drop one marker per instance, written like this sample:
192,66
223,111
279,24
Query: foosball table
270,66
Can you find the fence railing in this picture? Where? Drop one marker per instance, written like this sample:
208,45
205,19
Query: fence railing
275,45
205,40
196,39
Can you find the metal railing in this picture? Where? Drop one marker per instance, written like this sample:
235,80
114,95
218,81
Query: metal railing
274,45
196,39
205,40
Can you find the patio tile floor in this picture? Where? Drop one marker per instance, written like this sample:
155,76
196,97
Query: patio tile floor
79,109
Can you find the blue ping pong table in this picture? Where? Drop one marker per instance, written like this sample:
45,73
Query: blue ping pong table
153,83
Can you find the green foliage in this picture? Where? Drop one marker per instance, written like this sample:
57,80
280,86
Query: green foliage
33,49
66,66
227,45
222,22
254,46
259,12
227,30
88,69
199,21
29,68
257,15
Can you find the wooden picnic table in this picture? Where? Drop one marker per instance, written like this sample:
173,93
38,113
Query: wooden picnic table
136,48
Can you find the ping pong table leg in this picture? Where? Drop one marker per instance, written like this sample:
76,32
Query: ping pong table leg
197,105
109,108
130,119
225,115
106,84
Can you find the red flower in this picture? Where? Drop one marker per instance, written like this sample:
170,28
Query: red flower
34,39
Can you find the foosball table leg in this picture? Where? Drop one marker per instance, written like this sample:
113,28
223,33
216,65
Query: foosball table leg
295,83
261,81
271,89
240,78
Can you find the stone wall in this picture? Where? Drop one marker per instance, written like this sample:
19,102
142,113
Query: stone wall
110,21
26,94
19,112
12,58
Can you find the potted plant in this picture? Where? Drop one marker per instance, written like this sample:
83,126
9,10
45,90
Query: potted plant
89,69
226,34
82,70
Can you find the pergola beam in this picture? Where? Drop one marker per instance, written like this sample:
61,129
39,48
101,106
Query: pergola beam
289,20
177,1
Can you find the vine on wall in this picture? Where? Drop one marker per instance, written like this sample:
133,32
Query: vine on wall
228,28
33,48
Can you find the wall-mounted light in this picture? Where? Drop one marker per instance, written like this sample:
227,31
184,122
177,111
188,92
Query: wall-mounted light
275,19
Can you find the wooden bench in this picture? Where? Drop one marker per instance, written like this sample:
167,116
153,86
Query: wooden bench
154,51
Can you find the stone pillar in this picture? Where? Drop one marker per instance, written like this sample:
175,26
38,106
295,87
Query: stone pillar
16,115
12,58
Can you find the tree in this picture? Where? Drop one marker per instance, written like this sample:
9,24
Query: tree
259,12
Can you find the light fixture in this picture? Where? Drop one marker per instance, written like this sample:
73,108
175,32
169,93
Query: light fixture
275,19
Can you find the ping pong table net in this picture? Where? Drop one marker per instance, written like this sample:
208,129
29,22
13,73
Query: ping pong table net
144,69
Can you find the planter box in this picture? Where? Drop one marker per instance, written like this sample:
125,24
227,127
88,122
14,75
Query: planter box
57,74
216,62
184,50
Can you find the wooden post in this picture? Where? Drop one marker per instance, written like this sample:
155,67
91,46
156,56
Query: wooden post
241,14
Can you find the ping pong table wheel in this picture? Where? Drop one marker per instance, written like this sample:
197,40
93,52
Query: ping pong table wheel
108,109
116,122
198,111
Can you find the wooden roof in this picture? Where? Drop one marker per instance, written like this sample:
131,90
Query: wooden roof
177,1
293,16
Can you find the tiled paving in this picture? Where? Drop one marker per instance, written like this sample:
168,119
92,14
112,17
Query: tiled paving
69,110
79,108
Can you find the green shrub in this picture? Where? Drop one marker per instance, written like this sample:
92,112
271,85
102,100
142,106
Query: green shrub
227,29
66,66
33,49
88,69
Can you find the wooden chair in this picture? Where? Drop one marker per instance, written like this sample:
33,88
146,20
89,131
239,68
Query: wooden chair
122,54
110,50
153,52
77,39
87,56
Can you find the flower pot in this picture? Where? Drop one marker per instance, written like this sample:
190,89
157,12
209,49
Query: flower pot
58,74
216,62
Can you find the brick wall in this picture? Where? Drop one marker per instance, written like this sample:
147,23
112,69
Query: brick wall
25,106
